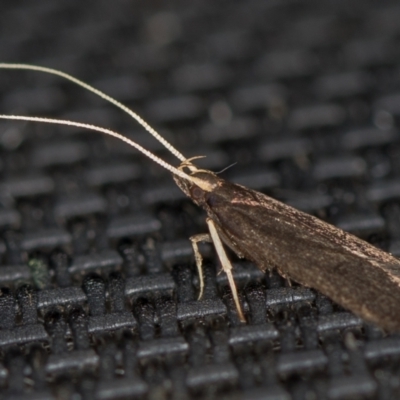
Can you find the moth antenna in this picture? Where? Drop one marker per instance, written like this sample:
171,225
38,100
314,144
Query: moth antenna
109,132
104,96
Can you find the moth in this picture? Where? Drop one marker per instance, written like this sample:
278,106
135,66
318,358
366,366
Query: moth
303,248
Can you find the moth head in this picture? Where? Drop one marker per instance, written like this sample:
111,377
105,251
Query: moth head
201,182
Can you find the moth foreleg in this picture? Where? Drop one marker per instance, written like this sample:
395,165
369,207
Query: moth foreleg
226,265
202,237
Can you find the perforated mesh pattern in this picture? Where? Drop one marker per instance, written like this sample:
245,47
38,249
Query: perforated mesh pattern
99,288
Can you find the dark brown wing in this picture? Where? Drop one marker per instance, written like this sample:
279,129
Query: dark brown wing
351,272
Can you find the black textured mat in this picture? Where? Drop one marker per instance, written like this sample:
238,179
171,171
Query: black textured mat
99,288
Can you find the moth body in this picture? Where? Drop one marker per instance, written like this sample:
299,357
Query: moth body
350,271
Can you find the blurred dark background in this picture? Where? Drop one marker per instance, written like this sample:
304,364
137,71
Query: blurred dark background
99,287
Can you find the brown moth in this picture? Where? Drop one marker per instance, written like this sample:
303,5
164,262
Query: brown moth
350,271
353,273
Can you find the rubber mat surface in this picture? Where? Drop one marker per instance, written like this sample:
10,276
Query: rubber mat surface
98,282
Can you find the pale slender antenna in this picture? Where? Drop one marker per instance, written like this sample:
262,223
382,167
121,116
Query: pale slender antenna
109,132
104,96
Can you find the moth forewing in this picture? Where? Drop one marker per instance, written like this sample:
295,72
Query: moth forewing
350,271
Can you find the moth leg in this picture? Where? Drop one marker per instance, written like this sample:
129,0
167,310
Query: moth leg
226,265
202,237
285,276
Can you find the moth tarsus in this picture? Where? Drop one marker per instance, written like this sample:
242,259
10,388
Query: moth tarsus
353,273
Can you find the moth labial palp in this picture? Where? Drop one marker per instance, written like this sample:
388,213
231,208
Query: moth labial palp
303,248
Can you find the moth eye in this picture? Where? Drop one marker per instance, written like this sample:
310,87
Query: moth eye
197,193
213,200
